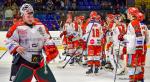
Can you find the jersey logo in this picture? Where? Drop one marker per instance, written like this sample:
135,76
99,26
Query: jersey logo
92,41
36,58
34,45
22,32
41,31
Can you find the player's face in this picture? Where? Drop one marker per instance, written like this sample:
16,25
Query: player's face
70,20
28,18
108,19
129,16
117,20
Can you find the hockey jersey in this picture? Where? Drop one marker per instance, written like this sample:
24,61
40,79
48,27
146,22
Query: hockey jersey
32,38
93,33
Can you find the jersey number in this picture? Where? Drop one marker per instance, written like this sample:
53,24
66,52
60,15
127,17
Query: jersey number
95,32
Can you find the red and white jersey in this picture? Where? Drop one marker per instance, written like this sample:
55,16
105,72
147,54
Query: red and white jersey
117,30
69,28
95,30
80,31
109,34
32,38
131,38
145,31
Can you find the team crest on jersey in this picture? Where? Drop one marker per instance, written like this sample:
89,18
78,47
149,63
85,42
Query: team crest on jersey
92,41
34,45
41,31
35,58
22,32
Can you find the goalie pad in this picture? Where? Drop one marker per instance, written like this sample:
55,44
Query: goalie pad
44,76
24,74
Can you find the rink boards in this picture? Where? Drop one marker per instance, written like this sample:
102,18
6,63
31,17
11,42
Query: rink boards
57,40
54,34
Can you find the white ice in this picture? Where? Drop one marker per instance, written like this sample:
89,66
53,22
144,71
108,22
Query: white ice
74,73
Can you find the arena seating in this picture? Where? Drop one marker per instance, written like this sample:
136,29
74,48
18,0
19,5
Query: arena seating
87,5
49,19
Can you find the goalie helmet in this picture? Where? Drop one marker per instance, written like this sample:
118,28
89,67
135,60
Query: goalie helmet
26,8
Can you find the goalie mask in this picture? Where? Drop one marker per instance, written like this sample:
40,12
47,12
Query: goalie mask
26,8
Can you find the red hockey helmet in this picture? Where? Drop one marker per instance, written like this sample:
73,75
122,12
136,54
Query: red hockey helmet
81,17
93,14
140,16
110,17
133,10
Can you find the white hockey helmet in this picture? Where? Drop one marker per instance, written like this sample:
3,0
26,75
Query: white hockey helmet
26,8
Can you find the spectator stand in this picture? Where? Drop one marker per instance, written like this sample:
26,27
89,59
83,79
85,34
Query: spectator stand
50,20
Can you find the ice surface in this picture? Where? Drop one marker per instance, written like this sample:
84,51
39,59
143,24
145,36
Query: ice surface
74,73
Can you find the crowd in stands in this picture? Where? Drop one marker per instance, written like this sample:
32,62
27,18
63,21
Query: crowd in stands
52,12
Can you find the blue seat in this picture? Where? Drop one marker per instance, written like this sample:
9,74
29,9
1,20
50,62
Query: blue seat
8,23
1,23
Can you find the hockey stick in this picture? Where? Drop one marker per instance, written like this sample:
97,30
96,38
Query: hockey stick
44,57
117,63
69,59
78,48
3,54
87,39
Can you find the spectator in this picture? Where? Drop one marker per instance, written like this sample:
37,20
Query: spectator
143,6
14,7
74,4
8,13
50,5
62,4
1,10
117,8
10,8
57,4
20,2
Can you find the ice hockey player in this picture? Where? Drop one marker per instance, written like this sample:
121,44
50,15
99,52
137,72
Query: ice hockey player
140,16
107,29
116,57
81,52
74,38
66,34
93,37
63,35
82,25
136,39
30,44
